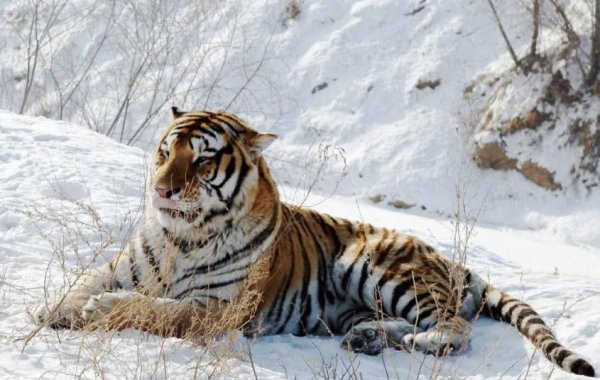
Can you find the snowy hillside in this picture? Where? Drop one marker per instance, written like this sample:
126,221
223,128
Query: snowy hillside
375,86
70,197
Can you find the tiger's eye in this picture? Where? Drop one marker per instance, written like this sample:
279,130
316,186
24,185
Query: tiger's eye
200,161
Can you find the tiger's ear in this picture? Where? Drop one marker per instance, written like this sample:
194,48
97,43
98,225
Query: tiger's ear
259,142
175,113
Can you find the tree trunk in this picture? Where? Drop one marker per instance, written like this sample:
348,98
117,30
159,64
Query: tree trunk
595,54
536,27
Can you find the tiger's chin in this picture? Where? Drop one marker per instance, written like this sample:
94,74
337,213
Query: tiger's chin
189,215
178,222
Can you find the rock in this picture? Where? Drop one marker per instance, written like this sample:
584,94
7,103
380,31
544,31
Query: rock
319,87
400,204
432,84
531,120
493,156
560,89
377,198
539,175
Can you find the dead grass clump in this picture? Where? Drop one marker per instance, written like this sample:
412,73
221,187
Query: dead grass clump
291,12
432,84
79,239
560,90
539,175
397,203
214,328
532,120
493,156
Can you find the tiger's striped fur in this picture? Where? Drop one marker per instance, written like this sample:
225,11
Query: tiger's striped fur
216,213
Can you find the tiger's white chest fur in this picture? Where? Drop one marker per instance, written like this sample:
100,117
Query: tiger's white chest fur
203,268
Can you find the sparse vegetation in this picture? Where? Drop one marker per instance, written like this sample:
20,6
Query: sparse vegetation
432,84
159,63
291,12
559,81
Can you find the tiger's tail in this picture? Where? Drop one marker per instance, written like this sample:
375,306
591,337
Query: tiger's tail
502,307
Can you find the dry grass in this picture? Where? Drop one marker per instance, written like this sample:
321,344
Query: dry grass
79,240
291,12
464,223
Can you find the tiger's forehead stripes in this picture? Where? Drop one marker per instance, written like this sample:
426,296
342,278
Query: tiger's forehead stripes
195,128
207,133
214,122
198,126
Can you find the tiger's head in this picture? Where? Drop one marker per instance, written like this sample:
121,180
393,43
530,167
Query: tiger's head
209,170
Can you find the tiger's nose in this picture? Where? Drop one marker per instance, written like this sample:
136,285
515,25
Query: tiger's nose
166,192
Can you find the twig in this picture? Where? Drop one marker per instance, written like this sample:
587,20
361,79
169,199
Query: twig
508,45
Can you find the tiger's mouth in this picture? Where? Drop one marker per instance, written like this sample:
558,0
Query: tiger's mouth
164,203
176,209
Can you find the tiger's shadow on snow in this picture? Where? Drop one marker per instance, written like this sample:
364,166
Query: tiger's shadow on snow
495,350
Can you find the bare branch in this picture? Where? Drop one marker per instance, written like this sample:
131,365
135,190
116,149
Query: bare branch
573,40
508,45
251,76
36,38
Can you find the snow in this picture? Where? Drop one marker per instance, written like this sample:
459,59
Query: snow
338,86
59,169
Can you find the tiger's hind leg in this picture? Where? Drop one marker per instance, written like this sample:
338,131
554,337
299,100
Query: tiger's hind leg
372,336
449,337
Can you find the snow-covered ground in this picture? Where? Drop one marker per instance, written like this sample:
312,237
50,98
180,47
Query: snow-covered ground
68,194
338,73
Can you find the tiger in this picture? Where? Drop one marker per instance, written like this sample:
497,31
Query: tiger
215,216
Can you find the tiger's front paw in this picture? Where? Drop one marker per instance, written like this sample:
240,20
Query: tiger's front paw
363,339
98,306
58,315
